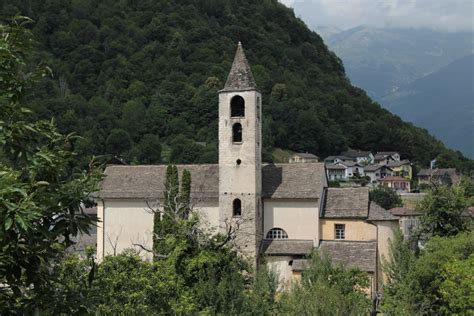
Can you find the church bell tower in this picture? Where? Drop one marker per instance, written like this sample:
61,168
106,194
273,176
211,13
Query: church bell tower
240,156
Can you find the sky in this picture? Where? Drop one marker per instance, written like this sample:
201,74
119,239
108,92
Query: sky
442,15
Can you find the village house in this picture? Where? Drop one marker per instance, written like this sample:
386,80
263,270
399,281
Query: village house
397,183
283,211
401,168
361,157
344,170
445,176
385,157
376,172
303,157
336,159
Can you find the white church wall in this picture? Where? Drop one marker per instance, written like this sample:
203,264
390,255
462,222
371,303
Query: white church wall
128,222
299,218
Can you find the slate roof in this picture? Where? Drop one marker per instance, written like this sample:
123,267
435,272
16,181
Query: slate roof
240,75
374,167
292,180
403,211
350,164
352,254
300,264
335,166
394,178
147,182
281,247
346,203
378,213
398,163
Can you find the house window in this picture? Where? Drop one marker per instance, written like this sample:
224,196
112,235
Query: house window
340,231
237,106
277,233
237,208
237,133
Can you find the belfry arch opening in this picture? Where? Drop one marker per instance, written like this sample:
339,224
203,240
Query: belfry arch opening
237,133
237,106
237,207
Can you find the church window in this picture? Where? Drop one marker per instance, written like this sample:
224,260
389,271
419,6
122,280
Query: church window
237,207
237,106
237,133
277,233
340,231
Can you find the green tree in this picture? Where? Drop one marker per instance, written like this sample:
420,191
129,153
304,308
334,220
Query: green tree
385,197
398,268
40,199
443,261
326,289
118,142
443,209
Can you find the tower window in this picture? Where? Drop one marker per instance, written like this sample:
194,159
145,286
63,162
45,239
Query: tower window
277,233
237,133
237,207
237,106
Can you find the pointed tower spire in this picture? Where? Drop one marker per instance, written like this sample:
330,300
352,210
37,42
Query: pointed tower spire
240,76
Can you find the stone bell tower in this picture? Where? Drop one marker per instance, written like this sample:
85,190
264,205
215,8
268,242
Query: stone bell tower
240,156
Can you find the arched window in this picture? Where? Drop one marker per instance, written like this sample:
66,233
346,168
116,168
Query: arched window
277,233
237,207
237,106
237,133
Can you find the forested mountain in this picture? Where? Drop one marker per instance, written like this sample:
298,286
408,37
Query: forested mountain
139,79
442,102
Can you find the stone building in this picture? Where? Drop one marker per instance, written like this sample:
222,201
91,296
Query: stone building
286,210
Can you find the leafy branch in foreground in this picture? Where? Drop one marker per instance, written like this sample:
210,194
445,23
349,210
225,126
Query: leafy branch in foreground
41,198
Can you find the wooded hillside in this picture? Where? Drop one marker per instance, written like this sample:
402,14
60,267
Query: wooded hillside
139,79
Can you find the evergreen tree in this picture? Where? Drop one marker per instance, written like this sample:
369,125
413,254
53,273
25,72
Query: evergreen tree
185,194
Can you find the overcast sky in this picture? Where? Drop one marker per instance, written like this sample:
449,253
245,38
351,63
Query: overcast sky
445,15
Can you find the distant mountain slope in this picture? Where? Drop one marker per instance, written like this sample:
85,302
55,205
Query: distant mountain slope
380,60
442,102
131,76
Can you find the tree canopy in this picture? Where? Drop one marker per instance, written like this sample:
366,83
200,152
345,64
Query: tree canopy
129,75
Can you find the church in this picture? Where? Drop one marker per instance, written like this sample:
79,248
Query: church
285,211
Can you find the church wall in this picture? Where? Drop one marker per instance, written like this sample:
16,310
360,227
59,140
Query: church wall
299,218
125,222
355,229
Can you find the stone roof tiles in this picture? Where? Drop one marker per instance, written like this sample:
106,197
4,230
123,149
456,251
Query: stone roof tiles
304,181
240,75
346,203
378,213
352,254
281,247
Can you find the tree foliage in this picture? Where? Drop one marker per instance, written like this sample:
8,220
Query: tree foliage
385,197
443,211
155,67
41,197
327,289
